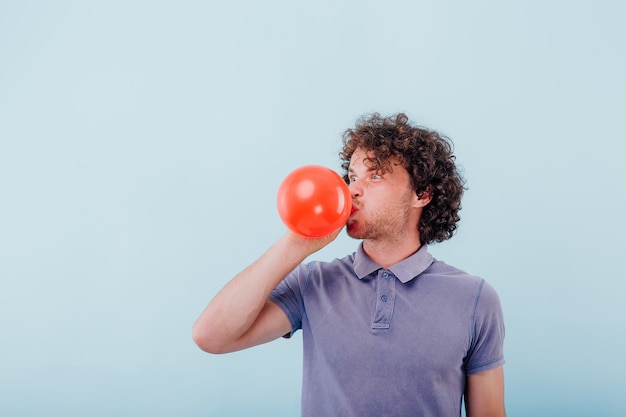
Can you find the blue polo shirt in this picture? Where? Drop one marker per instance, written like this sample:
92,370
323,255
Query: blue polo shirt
390,342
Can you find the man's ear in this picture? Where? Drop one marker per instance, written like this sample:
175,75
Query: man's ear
424,197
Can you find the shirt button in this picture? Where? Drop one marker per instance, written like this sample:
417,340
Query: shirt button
384,298
385,275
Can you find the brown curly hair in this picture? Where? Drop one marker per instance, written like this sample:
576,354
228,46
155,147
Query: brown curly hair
428,158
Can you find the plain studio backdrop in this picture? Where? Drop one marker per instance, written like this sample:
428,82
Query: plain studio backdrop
142,144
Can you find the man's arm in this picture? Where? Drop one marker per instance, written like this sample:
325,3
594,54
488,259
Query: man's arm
241,315
484,394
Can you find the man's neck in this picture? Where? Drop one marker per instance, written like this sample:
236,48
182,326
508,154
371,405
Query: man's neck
386,253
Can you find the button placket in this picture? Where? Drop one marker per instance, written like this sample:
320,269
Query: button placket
385,298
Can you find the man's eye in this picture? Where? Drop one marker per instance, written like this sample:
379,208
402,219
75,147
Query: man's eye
376,176
353,178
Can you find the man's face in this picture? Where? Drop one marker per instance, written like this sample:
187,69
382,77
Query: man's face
384,203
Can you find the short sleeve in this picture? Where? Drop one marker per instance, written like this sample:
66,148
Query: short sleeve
486,349
288,296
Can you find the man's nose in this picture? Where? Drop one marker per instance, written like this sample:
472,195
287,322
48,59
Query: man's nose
356,190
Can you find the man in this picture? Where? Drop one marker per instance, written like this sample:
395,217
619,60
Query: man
387,330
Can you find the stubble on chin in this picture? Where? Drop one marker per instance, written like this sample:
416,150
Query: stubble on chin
385,227
351,230
360,230
354,229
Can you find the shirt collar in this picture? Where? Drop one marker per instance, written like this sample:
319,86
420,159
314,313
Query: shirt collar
405,270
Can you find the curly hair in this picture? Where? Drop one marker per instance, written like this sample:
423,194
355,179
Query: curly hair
428,158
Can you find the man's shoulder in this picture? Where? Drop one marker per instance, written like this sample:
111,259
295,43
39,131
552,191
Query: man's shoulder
442,273
444,269
452,279
315,270
347,262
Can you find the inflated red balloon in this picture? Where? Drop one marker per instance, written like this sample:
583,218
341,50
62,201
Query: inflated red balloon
314,201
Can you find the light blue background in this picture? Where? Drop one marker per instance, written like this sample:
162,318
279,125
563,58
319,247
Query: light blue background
142,145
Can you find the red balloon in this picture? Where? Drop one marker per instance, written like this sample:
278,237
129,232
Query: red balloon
314,201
